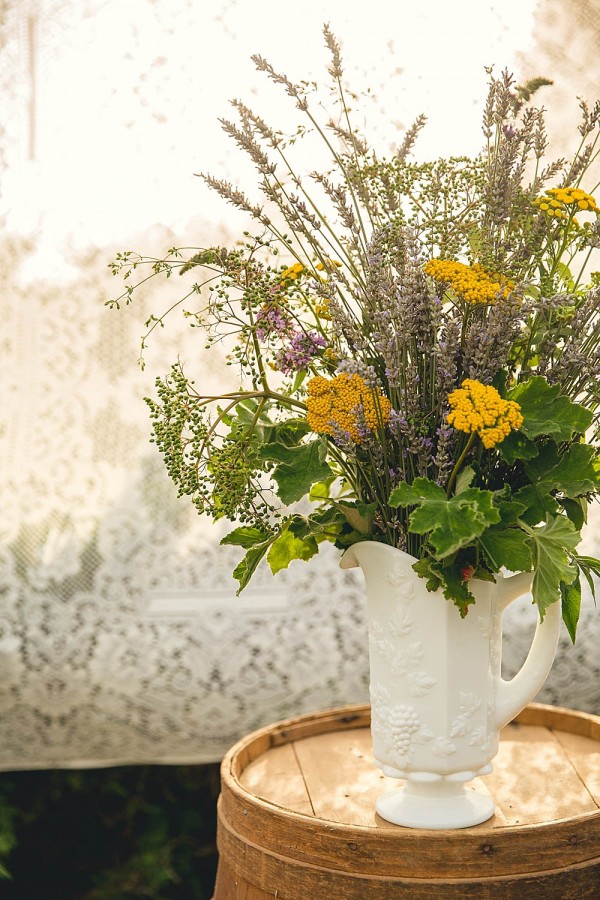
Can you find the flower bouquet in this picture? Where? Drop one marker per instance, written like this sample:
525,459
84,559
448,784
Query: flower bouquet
421,369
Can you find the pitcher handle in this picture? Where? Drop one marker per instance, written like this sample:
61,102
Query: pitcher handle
514,695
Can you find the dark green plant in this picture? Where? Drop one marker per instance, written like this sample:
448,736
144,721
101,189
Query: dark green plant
109,834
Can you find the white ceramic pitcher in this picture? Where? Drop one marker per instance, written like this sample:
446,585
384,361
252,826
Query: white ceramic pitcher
438,699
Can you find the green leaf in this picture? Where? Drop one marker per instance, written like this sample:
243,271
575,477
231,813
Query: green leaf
300,467
321,489
359,515
287,547
246,568
457,590
451,522
548,457
448,579
549,545
290,432
538,503
516,446
545,412
575,511
410,494
588,565
324,524
256,542
510,511
464,479
507,547
577,473
428,568
246,536
571,605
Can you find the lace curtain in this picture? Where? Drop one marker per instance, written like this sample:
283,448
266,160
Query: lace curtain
121,639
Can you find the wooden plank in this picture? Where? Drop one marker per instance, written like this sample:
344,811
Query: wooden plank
534,781
341,777
584,754
275,776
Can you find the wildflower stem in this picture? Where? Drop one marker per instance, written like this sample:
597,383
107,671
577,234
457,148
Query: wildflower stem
459,463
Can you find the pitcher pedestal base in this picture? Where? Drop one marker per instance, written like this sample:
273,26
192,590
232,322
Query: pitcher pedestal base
435,805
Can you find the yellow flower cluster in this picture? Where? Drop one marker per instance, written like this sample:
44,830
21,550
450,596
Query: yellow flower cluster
560,202
332,401
322,310
480,408
328,264
292,272
470,283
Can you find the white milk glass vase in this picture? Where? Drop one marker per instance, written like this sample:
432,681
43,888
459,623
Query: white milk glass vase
438,700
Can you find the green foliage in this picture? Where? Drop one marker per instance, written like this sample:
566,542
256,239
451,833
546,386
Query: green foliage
506,547
571,605
550,545
449,522
299,467
546,412
109,834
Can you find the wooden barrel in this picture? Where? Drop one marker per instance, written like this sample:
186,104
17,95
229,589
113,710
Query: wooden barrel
297,817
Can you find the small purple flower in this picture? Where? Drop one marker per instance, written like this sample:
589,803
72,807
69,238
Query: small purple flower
302,349
271,319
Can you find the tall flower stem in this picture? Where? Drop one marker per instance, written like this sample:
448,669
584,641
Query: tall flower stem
459,463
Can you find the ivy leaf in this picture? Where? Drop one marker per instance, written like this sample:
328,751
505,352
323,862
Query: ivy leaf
299,468
451,522
545,412
549,544
287,547
507,547
571,605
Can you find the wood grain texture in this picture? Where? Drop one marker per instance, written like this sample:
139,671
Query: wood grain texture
301,813
524,783
276,776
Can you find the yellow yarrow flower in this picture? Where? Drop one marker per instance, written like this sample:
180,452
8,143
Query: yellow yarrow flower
470,283
479,408
332,402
